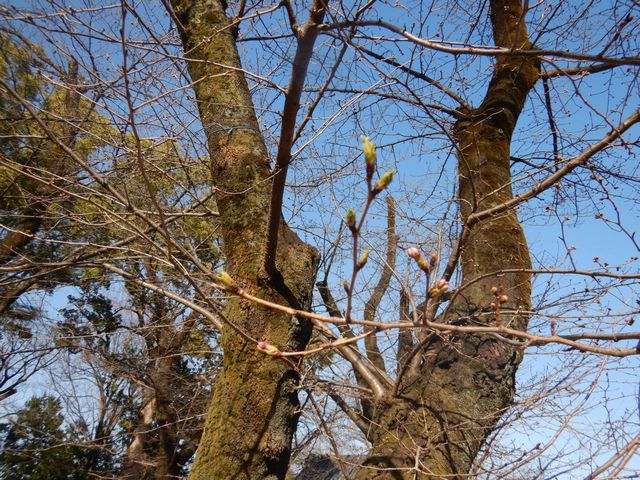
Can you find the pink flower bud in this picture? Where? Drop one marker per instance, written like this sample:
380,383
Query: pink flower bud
413,252
441,287
269,349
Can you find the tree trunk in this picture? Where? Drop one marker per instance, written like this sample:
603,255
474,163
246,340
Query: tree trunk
444,413
254,410
138,465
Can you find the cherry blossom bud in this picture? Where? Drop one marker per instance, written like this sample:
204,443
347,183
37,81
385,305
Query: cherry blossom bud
269,349
345,285
363,259
224,278
432,260
503,298
413,252
384,181
351,220
441,287
494,290
370,156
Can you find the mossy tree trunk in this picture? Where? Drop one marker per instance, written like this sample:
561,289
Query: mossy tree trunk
254,409
447,408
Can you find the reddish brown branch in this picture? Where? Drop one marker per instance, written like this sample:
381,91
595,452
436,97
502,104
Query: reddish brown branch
371,342
306,40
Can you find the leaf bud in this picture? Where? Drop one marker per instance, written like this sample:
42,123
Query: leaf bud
422,263
224,278
351,220
384,181
363,259
345,285
370,156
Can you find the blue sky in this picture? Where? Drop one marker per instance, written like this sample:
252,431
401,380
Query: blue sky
412,142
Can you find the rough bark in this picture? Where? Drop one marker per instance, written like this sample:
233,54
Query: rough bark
254,409
442,416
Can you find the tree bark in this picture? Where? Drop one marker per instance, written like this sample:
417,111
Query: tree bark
443,414
254,409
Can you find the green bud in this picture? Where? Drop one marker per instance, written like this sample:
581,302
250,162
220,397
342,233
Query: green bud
224,278
351,219
370,156
269,349
422,263
363,259
384,181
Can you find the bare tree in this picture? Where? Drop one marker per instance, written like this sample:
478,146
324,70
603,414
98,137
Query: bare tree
490,120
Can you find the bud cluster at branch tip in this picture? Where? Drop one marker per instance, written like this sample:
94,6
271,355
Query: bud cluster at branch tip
441,287
500,297
370,156
425,266
269,349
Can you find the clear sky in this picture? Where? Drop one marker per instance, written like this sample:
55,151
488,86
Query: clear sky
561,226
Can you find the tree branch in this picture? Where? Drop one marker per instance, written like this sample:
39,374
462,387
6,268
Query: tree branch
371,342
304,52
554,178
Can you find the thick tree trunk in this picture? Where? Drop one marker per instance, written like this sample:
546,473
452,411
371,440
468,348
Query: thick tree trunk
138,465
254,410
158,420
443,415
167,466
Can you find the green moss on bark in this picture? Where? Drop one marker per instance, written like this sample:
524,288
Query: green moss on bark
446,410
254,409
